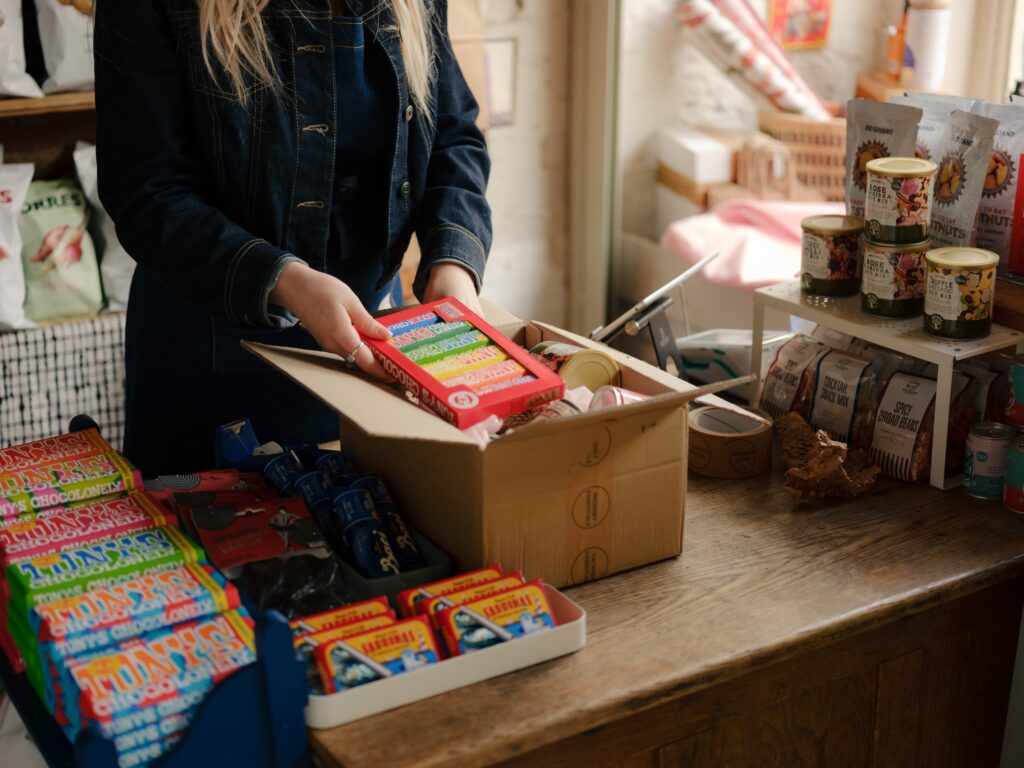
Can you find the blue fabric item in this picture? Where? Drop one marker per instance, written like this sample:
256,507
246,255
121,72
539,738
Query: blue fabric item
212,197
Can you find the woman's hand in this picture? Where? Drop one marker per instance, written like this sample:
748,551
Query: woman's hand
331,312
448,280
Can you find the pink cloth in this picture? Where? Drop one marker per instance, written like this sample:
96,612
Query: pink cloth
759,240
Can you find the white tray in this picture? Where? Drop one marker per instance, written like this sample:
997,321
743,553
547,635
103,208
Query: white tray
567,637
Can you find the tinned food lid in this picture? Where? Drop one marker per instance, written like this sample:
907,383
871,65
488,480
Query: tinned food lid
959,256
902,166
832,224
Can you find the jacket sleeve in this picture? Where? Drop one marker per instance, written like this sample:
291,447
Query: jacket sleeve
455,219
151,180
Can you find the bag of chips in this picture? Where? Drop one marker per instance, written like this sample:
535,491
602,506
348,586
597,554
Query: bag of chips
14,80
963,158
62,278
65,31
116,266
845,397
874,129
14,184
935,109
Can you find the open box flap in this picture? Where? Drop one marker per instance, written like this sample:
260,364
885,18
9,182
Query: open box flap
374,408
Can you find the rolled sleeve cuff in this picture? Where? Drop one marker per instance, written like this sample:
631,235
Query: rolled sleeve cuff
452,244
251,276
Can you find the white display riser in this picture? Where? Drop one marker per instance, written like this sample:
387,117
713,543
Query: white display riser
903,336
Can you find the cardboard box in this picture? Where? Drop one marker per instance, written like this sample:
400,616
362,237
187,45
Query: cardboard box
567,500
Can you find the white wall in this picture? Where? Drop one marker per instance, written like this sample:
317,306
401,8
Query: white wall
665,79
527,270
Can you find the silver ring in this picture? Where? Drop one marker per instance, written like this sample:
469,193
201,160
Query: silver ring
350,358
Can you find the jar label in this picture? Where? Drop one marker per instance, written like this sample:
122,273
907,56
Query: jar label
959,294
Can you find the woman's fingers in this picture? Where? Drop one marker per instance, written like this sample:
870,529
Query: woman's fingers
364,321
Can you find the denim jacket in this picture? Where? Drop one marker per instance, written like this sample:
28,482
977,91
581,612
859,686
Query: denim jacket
213,196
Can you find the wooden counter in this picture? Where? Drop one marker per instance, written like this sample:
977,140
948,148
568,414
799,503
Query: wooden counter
878,632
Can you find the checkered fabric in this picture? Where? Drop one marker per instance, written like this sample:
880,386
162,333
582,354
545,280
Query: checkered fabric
48,375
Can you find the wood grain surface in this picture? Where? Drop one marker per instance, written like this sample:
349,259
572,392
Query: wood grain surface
853,587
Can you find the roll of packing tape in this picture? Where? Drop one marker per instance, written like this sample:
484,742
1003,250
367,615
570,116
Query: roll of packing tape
726,444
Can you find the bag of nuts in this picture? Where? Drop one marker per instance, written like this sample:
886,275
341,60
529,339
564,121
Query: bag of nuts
875,129
963,158
935,109
999,213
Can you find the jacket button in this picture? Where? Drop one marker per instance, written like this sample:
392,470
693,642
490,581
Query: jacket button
406,189
408,113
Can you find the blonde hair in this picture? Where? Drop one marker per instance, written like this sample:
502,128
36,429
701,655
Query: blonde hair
232,34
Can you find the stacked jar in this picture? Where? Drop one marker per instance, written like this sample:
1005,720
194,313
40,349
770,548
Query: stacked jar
830,255
898,212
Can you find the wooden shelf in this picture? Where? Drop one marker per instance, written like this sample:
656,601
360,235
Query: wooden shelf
60,102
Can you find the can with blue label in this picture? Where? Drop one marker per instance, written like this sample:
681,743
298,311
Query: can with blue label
985,459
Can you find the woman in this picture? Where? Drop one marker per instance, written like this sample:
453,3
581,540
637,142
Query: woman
267,162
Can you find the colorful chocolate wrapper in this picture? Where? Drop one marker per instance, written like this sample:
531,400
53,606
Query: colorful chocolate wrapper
359,659
28,538
441,603
463,363
108,561
151,742
117,612
413,323
444,348
399,537
488,376
498,386
170,669
67,447
412,339
307,643
62,482
338,617
409,599
496,618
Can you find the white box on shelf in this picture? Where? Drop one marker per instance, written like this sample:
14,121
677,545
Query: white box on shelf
569,636
904,336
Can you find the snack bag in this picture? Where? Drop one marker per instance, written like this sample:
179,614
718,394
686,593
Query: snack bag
62,276
905,424
875,129
790,381
935,109
65,31
14,185
1000,215
14,80
496,618
359,659
963,157
116,266
409,599
989,389
844,398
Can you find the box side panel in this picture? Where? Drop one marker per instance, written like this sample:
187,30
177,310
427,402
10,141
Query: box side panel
436,487
584,503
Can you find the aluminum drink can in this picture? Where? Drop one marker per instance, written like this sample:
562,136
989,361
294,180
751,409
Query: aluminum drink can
1013,492
985,459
